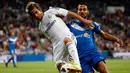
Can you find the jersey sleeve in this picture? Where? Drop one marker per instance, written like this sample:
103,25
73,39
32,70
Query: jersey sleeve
69,23
97,28
8,40
60,11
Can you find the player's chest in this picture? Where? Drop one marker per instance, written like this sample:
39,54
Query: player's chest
47,23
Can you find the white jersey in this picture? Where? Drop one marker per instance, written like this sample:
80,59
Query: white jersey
56,30
52,26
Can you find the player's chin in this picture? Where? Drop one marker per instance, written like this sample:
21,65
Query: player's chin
84,16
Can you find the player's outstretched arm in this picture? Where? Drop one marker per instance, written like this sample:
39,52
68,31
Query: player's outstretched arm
111,38
76,16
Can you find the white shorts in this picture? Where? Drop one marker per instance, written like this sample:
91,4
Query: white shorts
60,51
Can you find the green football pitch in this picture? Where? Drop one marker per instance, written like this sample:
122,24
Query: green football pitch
114,66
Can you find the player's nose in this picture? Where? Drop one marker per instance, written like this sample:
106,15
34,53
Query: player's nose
82,11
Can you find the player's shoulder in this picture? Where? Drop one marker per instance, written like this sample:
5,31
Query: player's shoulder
95,23
9,37
53,8
49,10
73,21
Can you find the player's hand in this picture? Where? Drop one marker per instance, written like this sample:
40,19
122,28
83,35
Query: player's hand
120,42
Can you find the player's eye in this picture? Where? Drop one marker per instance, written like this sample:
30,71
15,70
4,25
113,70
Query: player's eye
80,9
84,9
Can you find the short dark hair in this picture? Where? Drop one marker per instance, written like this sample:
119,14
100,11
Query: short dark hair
31,5
83,3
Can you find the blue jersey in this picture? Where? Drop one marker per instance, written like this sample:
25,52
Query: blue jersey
88,53
84,36
12,43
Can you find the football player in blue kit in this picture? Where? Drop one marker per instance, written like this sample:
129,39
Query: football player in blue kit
90,57
12,46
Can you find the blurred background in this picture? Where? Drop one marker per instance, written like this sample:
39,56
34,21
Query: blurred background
112,15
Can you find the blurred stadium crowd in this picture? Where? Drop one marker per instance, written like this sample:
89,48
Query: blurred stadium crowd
14,19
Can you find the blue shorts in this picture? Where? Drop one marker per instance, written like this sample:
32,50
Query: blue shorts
89,61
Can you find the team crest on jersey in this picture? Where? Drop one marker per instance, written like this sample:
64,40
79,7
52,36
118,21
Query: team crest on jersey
85,34
49,16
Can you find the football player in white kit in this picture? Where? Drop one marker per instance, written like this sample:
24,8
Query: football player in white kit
55,29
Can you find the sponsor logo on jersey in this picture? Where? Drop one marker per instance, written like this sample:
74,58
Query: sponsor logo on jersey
83,35
49,16
49,25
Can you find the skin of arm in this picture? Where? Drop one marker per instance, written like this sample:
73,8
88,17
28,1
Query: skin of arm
85,21
111,38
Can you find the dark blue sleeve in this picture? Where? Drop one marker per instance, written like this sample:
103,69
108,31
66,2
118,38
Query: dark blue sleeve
97,28
8,39
68,23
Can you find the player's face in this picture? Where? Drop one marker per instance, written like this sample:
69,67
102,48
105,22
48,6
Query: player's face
82,11
36,14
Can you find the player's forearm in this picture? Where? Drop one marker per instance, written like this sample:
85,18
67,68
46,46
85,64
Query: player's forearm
74,15
110,37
